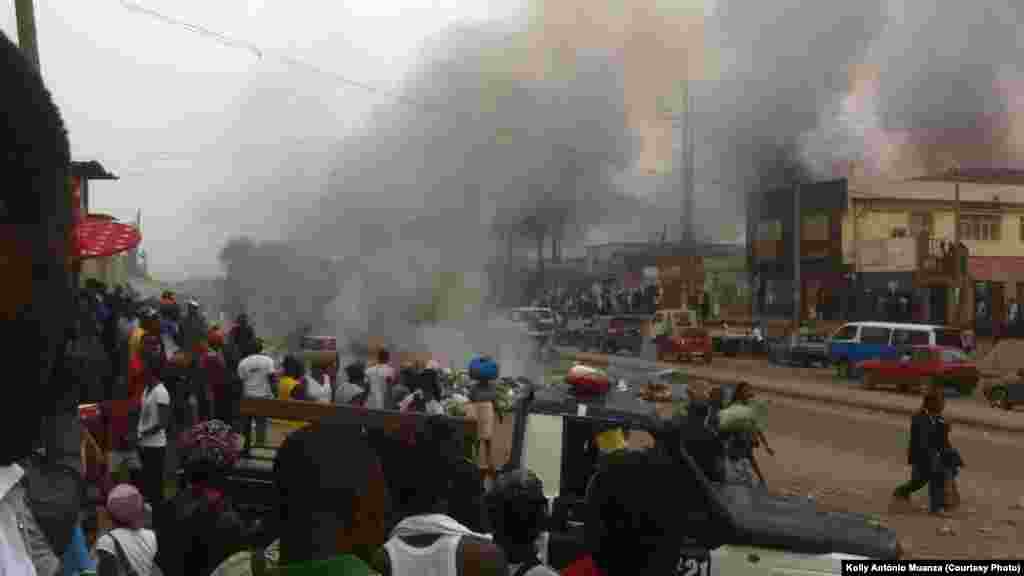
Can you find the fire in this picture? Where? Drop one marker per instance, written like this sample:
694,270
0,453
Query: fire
636,33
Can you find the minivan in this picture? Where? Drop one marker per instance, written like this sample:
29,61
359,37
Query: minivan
855,342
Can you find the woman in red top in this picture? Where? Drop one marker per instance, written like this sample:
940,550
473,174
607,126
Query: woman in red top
215,374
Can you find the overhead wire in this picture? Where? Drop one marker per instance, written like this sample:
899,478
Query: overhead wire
261,52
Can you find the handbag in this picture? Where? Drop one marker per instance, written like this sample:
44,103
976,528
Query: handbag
124,566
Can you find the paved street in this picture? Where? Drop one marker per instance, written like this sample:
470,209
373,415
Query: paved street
852,459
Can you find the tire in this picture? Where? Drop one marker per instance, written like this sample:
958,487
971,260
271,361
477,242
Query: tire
869,381
998,398
843,368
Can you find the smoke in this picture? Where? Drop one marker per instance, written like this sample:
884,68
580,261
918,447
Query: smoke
280,287
423,205
934,89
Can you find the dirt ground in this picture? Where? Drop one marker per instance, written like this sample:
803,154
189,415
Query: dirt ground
760,366
852,460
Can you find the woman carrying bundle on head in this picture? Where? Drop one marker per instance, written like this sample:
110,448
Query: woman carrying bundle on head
206,526
483,370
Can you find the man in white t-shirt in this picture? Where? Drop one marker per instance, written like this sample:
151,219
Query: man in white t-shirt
154,418
380,377
257,373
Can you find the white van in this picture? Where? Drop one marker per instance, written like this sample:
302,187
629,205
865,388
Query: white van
855,342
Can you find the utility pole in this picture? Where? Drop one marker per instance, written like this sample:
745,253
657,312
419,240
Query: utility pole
25,13
689,236
957,272
61,432
797,224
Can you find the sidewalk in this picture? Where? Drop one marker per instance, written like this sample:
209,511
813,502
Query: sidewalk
975,415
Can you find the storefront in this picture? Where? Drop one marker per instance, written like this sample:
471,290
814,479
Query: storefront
997,281
889,297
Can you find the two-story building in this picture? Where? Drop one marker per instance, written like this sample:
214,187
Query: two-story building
898,239
823,273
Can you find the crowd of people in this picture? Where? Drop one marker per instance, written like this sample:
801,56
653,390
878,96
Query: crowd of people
603,300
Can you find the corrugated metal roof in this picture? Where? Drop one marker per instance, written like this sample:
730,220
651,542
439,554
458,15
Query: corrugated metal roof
998,187
91,170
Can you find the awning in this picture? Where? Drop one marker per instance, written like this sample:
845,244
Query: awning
101,237
996,268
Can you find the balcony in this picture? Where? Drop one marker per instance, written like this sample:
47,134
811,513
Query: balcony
888,255
938,256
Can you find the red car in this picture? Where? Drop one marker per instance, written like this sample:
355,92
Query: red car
918,366
691,343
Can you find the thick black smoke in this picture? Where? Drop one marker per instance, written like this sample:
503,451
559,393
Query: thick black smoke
939,66
780,109
281,288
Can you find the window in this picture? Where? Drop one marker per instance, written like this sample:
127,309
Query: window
910,338
980,227
921,222
953,356
951,338
816,228
875,335
848,332
921,355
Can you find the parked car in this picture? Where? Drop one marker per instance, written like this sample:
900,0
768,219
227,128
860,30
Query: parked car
730,529
801,349
623,333
538,323
1005,394
690,343
918,366
856,342
318,350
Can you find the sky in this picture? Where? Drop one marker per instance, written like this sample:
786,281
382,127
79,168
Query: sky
155,103
213,141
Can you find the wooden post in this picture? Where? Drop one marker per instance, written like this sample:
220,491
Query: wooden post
25,14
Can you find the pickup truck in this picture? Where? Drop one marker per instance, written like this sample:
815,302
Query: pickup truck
732,529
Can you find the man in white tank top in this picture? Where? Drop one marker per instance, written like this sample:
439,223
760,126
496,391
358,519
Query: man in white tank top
429,542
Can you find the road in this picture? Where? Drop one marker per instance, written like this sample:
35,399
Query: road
851,460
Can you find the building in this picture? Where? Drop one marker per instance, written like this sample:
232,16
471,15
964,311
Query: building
896,237
824,273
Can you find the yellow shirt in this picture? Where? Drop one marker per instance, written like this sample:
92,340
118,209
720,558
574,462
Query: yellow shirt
285,386
611,441
135,341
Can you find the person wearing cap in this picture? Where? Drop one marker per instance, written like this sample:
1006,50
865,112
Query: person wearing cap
128,546
517,509
481,408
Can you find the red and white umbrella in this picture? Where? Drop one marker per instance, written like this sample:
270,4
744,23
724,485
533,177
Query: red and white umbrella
98,236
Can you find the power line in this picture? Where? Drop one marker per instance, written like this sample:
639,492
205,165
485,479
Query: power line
260,52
